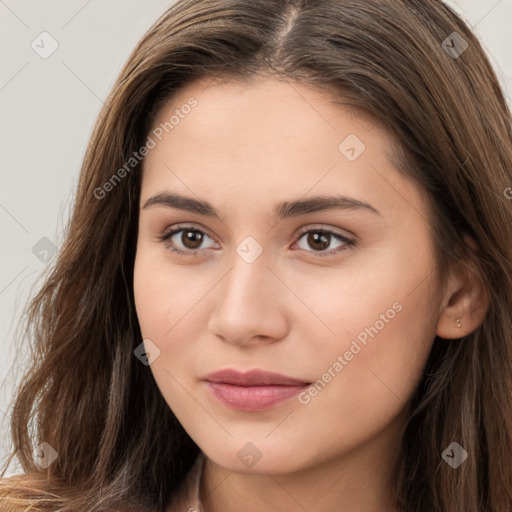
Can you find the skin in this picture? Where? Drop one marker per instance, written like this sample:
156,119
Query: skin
245,148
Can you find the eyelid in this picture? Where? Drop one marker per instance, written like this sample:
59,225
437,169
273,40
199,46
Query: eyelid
178,227
327,228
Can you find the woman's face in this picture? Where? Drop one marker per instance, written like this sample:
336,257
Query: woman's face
303,252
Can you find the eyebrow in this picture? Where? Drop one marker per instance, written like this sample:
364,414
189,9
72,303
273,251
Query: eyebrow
284,210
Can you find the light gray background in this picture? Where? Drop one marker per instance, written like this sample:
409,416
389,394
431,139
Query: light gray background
48,108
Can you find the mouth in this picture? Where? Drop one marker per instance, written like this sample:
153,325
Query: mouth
255,390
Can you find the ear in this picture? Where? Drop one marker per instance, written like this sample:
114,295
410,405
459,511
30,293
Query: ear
465,302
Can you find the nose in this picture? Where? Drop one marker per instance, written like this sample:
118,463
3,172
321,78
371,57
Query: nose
250,305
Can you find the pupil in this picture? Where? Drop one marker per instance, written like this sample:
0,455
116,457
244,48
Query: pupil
318,238
192,239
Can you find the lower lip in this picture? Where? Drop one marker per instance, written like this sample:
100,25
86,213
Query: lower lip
253,398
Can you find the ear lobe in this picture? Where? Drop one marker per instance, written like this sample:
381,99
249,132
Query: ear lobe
466,301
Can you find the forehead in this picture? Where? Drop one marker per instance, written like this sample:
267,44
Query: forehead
266,137
275,103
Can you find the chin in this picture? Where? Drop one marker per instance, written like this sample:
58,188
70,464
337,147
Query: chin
258,458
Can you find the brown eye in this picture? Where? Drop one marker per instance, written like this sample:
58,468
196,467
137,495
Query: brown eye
186,241
318,240
321,240
191,239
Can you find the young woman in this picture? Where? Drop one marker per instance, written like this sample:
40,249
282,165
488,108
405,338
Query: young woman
287,280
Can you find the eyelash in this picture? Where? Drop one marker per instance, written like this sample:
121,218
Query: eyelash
164,237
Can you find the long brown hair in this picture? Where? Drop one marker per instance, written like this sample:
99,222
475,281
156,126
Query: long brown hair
118,442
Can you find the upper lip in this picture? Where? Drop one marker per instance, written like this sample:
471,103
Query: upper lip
253,378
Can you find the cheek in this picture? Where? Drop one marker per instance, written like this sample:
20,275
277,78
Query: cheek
164,293
381,317
165,306
171,302
369,371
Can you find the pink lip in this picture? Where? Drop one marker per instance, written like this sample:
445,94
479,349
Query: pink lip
255,390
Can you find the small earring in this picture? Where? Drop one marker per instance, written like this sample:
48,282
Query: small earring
457,321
